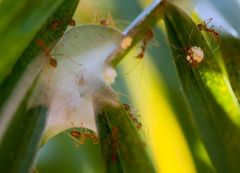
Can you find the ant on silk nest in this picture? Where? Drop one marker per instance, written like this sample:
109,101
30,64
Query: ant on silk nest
79,136
59,22
107,21
42,45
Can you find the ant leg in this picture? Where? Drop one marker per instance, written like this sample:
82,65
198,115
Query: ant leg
95,138
190,35
82,138
110,18
141,74
75,140
220,28
176,58
216,48
206,22
60,54
96,17
134,66
170,44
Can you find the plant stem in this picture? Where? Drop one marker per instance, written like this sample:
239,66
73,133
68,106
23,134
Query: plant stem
136,30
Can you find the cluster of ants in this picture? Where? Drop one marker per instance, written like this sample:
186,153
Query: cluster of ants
80,136
53,26
132,116
190,52
194,54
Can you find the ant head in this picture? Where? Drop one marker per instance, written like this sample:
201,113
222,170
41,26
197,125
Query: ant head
126,106
149,34
139,125
40,42
75,134
53,62
186,49
140,55
216,34
105,22
200,26
114,130
71,22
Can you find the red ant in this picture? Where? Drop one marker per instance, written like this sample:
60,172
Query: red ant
114,142
71,22
148,36
204,26
79,136
133,117
108,21
56,23
41,44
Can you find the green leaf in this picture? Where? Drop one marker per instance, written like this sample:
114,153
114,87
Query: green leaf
19,144
231,52
207,91
122,147
19,26
32,60
176,98
21,123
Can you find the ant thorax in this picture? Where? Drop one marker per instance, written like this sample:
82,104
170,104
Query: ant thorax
195,55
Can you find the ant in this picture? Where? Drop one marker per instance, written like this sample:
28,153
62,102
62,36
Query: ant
108,21
42,45
56,23
114,142
79,136
204,26
146,39
71,22
133,117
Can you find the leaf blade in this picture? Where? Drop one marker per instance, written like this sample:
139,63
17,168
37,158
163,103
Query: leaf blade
203,86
